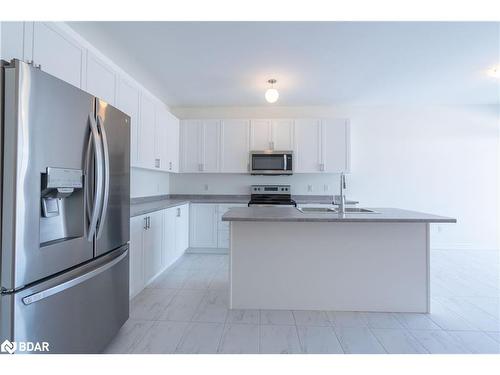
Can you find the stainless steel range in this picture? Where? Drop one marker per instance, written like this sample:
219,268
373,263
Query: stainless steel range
271,195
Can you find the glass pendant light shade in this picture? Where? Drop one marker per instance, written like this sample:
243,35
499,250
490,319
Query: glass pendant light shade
272,94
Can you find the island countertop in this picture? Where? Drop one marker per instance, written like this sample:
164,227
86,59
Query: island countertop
291,214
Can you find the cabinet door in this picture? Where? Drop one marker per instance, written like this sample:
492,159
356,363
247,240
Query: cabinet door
128,102
100,79
152,244
210,146
235,145
169,236
147,123
11,40
335,145
172,142
191,139
137,225
161,136
57,54
260,135
181,230
203,225
307,146
282,135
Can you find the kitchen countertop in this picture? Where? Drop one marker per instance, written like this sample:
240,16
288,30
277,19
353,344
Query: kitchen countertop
144,205
290,214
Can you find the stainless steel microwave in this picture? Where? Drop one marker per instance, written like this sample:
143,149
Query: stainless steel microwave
271,162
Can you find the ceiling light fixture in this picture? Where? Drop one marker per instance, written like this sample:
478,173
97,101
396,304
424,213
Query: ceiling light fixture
494,72
272,94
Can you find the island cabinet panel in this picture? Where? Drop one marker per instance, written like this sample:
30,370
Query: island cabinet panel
203,225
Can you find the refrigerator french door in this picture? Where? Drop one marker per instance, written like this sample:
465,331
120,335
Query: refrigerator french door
65,213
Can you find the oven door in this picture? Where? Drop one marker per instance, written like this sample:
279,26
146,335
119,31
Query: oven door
276,163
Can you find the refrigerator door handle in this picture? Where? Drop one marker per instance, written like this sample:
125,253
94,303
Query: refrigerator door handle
28,300
96,140
104,139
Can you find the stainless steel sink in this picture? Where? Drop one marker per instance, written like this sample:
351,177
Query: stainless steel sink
328,210
358,210
317,210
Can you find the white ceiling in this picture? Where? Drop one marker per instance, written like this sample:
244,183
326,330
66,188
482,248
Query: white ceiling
315,63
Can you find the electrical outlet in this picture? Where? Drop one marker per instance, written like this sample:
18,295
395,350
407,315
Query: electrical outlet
206,187
309,188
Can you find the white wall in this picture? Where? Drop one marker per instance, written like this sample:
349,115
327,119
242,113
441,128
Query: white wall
437,159
144,183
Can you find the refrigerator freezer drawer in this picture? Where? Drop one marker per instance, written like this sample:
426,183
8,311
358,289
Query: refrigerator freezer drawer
77,312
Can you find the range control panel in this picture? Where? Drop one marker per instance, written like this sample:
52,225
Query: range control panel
271,189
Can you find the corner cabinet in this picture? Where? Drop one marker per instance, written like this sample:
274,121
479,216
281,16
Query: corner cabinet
200,146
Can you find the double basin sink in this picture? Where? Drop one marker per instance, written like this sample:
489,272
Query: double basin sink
328,210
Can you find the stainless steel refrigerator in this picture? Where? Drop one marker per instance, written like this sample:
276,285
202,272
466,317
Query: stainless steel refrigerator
65,186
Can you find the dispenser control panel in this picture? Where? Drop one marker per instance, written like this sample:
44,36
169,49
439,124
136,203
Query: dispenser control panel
64,178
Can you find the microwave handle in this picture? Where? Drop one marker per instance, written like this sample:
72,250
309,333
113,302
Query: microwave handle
284,162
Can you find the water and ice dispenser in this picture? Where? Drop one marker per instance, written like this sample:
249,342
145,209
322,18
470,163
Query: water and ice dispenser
62,205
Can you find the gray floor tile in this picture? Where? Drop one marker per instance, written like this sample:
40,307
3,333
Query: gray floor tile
398,341
240,339
201,338
476,342
279,339
347,319
319,340
243,316
149,304
358,340
438,342
183,306
494,335
311,318
416,321
128,337
382,320
277,317
213,307
162,338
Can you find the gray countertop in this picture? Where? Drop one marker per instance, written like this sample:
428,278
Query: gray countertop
145,205
290,214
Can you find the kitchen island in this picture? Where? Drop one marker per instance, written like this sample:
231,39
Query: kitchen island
282,258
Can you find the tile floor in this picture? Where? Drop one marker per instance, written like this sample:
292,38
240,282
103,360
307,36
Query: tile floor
185,310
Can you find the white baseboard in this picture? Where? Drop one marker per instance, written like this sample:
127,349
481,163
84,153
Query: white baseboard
206,250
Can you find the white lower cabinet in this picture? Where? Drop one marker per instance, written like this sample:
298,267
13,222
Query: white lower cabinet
153,246
157,240
203,225
175,233
136,256
207,230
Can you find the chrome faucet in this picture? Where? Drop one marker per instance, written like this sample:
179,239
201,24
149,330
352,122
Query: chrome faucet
341,203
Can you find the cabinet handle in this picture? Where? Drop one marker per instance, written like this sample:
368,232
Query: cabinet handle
149,222
178,212
145,223
169,165
322,167
157,163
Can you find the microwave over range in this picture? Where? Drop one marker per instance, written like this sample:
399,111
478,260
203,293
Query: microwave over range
271,162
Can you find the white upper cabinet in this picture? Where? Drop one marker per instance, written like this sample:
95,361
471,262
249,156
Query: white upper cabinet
282,135
11,40
307,146
128,102
100,79
191,151
235,146
57,53
161,137
200,146
146,133
172,142
260,135
335,146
